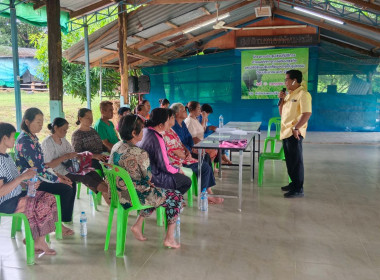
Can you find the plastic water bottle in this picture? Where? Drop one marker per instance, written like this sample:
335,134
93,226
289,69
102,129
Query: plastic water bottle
83,224
177,232
32,186
221,121
204,201
91,198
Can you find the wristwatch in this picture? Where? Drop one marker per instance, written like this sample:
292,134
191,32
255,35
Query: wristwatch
294,128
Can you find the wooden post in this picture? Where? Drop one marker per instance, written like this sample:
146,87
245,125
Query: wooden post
123,59
55,58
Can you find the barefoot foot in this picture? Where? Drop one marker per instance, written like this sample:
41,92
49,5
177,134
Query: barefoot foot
171,244
215,200
137,233
67,231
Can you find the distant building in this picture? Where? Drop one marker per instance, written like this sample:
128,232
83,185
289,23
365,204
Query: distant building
28,68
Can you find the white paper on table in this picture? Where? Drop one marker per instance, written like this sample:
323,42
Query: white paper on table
225,129
254,132
239,132
218,136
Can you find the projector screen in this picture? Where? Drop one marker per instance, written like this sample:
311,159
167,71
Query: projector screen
263,71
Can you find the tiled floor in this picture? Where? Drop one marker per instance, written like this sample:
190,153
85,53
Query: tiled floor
331,233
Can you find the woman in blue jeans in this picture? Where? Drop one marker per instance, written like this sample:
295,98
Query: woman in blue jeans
28,154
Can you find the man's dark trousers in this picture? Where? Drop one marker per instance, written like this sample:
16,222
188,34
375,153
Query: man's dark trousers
294,161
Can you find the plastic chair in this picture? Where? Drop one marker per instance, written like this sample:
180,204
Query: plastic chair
273,139
96,198
58,224
194,185
112,172
268,156
12,151
17,219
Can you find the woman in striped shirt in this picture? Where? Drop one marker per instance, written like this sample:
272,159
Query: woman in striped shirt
40,210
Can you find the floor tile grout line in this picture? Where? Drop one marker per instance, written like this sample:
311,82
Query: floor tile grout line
142,266
365,250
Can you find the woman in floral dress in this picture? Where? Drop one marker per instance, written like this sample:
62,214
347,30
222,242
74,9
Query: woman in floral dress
136,162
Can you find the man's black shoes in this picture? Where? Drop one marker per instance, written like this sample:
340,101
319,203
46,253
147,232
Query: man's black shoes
286,188
294,194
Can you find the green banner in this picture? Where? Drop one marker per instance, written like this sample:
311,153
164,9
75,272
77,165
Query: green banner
263,71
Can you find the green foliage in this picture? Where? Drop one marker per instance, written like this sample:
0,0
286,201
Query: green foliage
74,75
74,81
24,32
341,81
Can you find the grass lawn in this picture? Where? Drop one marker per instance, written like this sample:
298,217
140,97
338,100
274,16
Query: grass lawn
41,101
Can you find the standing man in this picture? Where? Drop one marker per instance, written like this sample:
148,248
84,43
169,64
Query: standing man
295,111
105,127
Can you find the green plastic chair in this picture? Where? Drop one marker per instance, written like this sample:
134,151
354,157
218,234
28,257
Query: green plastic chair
111,172
268,156
17,219
58,224
273,139
12,151
96,197
194,185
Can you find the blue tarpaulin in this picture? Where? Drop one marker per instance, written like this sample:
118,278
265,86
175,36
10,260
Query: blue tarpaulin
6,69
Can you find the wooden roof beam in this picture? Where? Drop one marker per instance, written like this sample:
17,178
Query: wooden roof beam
91,8
110,65
39,4
188,25
327,26
207,12
197,38
172,25
147,55
101,37
105,58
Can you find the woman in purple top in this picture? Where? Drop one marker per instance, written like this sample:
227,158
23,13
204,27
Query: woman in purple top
164,175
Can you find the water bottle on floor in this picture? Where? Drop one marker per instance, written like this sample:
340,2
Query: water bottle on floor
204,201
221,121
83,224
91,198
32,186
177,232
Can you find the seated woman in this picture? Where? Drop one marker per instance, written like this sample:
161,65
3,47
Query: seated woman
136,162
40,210
164,103
180,156
85,138
123,111
147,107
196,128
29,154
58,151
163,174
206,110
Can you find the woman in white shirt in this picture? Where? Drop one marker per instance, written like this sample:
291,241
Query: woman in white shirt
196,128
58,153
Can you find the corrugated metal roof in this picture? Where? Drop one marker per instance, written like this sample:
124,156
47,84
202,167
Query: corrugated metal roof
154,20
6,51
75,5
